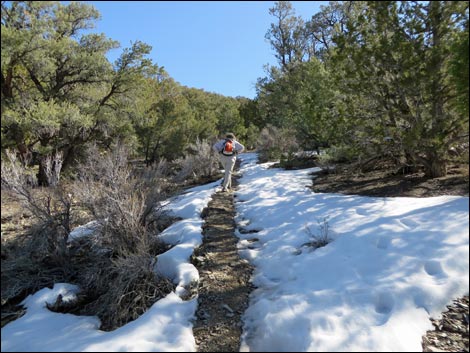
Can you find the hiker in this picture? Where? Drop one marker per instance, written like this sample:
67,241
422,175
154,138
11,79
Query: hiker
228,149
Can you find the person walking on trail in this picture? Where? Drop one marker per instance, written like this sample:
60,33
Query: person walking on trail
228,149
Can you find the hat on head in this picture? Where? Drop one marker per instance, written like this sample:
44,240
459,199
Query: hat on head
229,135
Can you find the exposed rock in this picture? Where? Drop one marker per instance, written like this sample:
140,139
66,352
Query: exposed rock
224,285
451,331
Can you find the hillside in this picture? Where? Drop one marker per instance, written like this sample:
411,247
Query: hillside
386,267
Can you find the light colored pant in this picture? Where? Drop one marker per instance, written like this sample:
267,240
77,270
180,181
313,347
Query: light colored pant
228,162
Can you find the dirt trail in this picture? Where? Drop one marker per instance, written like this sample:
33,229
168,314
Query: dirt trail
224,285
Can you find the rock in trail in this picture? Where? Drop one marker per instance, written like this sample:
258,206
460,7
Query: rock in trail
224,285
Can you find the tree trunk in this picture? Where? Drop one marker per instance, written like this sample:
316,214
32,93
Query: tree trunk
50,167
153,156
437,168
435,165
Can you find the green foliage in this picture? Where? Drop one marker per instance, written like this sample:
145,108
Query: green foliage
169,118
337,154
392,67
287,35
355,75
300,100
326,24
252,134
390,79
459,62
59,91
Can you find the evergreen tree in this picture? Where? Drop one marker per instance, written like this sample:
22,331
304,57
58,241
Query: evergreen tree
393,67
58,89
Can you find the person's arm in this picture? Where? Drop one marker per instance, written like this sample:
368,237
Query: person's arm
218,146
239,147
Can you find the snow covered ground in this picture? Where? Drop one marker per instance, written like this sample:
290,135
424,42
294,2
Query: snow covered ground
391,264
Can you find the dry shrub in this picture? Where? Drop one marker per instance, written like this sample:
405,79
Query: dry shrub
119,290
320,238
200,162
22,276
51,209
124,204
40,257
159,174
114,266
118,280
275,143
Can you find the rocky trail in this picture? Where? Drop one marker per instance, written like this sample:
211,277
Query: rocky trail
224,285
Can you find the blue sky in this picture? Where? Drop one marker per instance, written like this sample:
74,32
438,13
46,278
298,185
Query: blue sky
218,46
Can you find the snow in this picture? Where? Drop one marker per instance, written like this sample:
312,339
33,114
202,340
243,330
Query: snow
185,235
392,263
160,329
86,230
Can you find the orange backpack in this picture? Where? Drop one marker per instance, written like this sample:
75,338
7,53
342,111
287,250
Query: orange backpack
229,148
